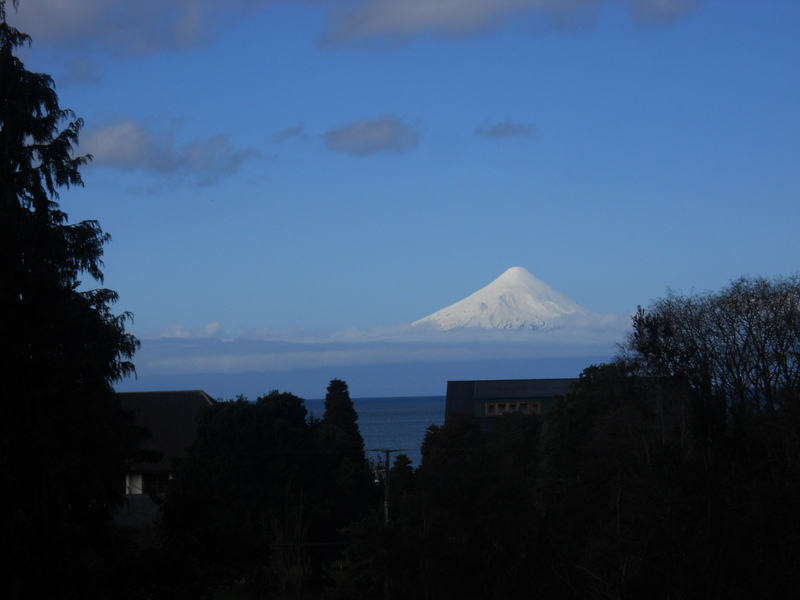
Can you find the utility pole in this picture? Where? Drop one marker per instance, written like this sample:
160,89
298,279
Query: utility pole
387,452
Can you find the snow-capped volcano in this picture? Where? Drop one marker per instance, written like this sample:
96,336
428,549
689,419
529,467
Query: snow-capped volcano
515,300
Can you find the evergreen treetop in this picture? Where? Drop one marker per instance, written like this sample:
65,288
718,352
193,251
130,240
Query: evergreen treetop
339,411
63,437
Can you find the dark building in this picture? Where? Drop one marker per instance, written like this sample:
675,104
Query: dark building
489,399
171,419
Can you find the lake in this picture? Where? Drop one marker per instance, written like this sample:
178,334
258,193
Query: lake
393,423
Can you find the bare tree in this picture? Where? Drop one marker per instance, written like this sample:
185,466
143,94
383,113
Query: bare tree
741,343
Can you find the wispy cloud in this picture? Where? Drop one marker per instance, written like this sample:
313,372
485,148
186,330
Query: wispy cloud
399,361
401,20
296,132
506,129
180,331
180,349
129,145
372,136
80,70
126,28
657,13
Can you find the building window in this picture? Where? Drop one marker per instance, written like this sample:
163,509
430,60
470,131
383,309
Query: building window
532,407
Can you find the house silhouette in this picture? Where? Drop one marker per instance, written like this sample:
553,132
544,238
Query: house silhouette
171,419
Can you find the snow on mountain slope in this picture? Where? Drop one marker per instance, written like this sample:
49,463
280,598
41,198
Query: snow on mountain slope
515,300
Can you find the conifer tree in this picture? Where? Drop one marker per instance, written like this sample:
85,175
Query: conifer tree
63,437
353,482
339,411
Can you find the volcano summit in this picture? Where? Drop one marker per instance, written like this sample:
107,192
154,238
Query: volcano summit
515,300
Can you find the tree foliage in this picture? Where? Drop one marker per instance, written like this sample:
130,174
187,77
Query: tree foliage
340,412
243,483
671,472
742,343
63,436
260,497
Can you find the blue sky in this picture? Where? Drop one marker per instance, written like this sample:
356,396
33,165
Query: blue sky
320,166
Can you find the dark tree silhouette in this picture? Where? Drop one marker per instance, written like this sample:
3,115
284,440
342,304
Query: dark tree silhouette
726,366
670,473
63,435
354,487
339,411
740,343
259,498
245,498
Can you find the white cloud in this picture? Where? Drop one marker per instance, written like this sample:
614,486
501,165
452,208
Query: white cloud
129,145
180,331
506,129
371,136
126,144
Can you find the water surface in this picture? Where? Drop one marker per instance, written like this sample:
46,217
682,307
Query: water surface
393,423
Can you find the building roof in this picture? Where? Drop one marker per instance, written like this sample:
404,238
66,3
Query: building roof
171,418
520,388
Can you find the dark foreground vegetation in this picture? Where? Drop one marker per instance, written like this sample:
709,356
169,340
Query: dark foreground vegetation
671,473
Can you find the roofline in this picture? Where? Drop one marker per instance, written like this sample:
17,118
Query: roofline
209,400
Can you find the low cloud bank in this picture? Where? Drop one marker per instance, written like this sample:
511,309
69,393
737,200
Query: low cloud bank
365,381
397,361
